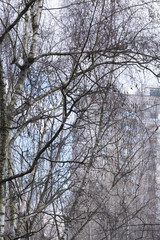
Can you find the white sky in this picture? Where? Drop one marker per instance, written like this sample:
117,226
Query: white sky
53,3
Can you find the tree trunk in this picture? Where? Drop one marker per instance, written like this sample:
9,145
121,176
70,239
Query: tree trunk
3,148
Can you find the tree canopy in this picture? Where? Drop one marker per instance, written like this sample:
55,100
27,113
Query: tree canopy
73,148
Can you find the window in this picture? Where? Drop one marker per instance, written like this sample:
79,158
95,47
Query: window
155,92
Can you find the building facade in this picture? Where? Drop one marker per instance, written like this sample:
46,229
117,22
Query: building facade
116,146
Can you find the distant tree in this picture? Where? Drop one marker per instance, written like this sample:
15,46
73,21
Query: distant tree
110,197
52,62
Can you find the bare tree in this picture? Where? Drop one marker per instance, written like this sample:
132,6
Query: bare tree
109,196
51,76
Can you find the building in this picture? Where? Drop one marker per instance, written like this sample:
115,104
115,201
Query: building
117,174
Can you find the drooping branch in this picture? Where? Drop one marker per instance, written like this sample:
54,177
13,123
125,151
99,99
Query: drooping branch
11,26
42,150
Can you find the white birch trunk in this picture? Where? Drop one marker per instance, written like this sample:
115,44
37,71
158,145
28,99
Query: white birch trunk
5,112
3,148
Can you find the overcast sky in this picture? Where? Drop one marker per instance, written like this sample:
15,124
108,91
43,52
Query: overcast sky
53,3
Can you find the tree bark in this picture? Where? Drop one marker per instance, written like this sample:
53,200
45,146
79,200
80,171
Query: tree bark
3,148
